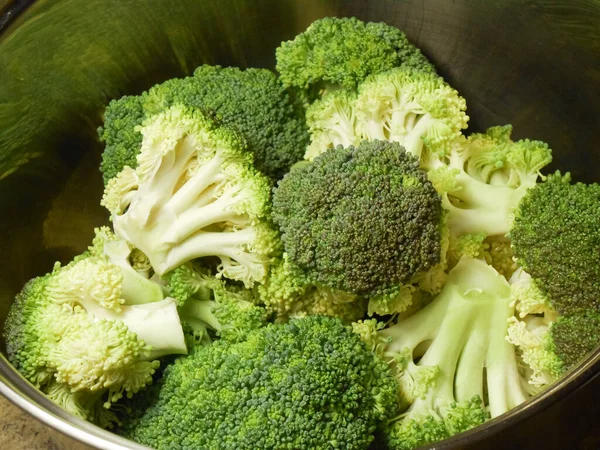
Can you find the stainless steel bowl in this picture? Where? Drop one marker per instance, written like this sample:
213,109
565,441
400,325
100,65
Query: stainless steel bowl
532,63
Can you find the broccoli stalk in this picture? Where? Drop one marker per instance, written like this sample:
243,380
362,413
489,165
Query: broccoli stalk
194,194
442,352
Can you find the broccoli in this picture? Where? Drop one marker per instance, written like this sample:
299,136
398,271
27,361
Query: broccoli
485,177
555,237
342,52
85,338
452,361
208,303
252,101
194,194
309,383
417,109
362,220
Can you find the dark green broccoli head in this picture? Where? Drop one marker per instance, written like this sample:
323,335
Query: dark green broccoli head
253,101
309,383
360,220
343,52
556,239
573,337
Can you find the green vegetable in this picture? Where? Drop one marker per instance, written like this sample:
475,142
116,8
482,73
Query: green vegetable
194,194
341,52
85,337
252,101
309,383
361,220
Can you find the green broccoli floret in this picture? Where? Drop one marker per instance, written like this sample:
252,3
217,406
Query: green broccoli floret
453,363
208,303
194,194
309,383
86,338
287,293
555,237
417,109
484,177
362,220
253,101
342,52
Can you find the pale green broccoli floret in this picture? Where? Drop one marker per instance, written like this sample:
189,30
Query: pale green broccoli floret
484,177
194,194
453,363
416,109
85,338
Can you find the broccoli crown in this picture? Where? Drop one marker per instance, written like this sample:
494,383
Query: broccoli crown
452,361
343,52
360,219
417,109
253,101
194,194
309,383
556,237
79,336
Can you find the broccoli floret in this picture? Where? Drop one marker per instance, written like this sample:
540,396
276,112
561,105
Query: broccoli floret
85,340
309,383
448,355
419,110
208,303
341,52
555,237
361,220
484,179
194,194
253,101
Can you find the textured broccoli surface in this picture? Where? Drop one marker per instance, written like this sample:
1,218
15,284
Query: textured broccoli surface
342,52
361,220
194,194
309,383
253,101
85,338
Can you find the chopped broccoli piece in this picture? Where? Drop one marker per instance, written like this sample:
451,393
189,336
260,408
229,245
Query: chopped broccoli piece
194,194
342,52
419,110
360,220
84,340
485,178
449,354
253,101
309,383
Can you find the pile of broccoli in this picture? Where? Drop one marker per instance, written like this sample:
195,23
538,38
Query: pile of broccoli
317,258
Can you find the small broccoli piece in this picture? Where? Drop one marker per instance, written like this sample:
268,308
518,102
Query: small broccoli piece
555,238
360,220
486,177
253,101
81,338
309,383
341,52
287,294
194,194
574,337
419,110
208,303
449,354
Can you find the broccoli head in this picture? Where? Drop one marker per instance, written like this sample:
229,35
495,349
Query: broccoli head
253,101
360,220
86,339
342,52
417,109
194,194
309,383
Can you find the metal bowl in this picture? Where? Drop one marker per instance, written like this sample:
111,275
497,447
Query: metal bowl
532,63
